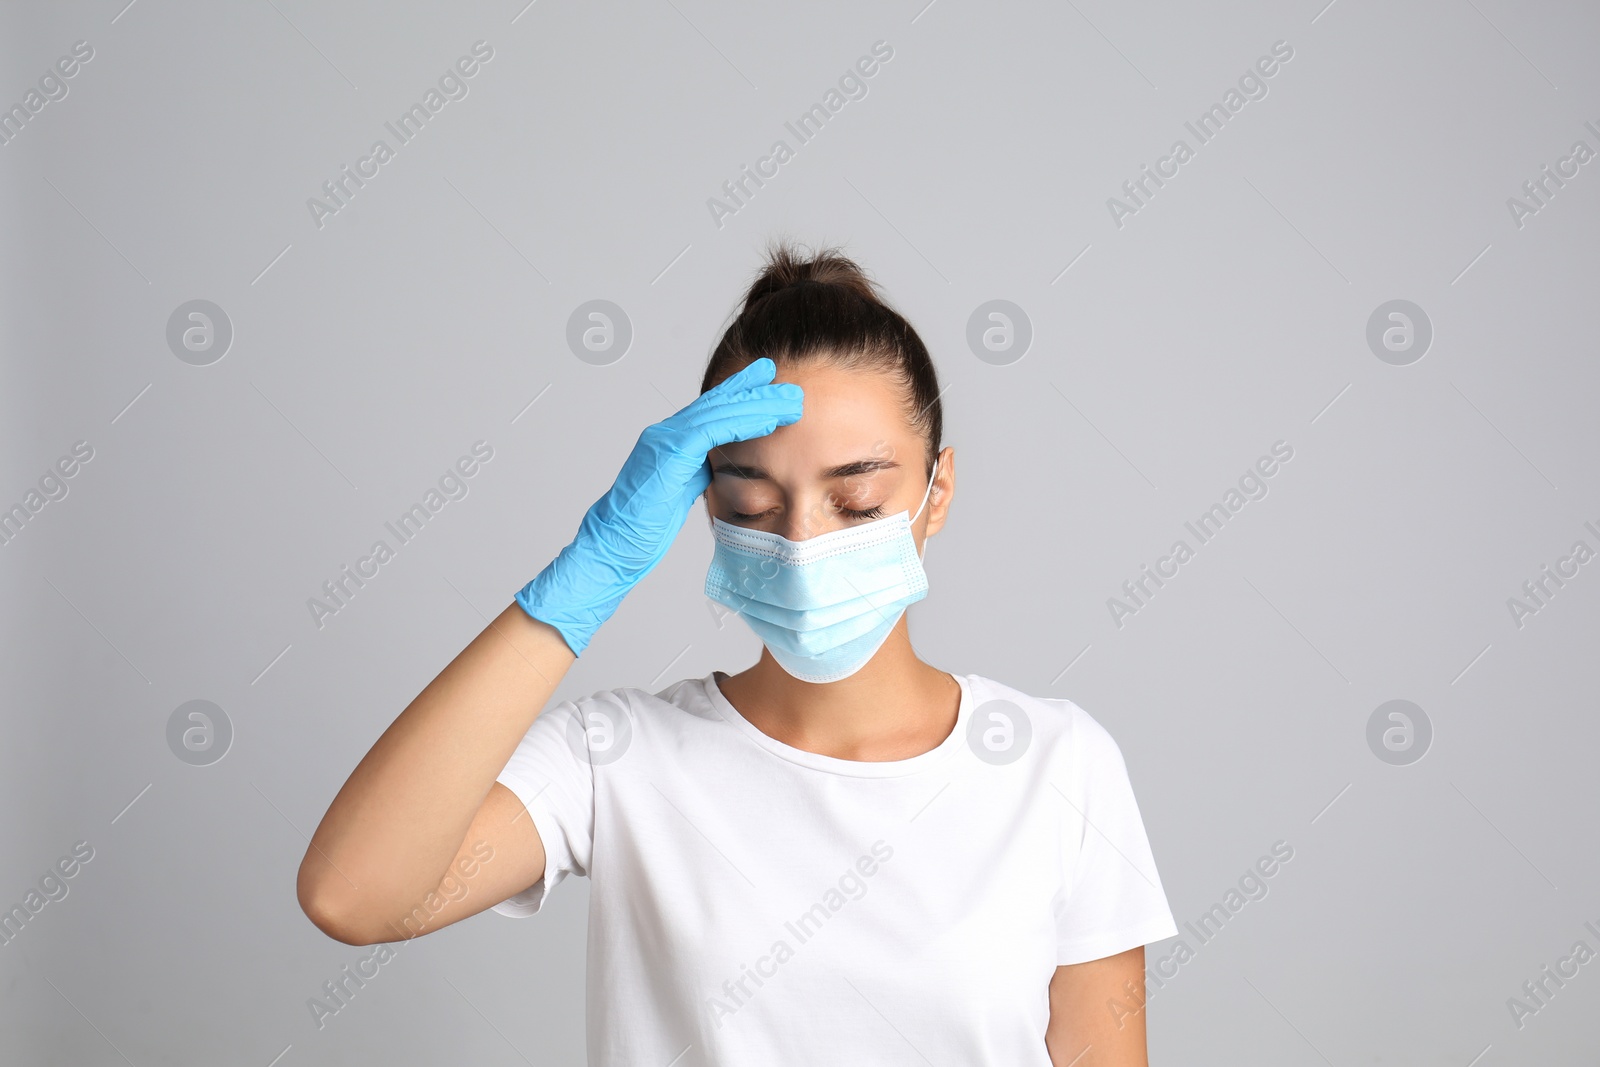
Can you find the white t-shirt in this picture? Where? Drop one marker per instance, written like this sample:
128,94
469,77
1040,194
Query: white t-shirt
754,903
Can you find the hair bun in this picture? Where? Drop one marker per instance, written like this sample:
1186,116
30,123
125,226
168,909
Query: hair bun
822,308
786,268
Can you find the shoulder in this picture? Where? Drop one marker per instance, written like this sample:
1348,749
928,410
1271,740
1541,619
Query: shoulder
1058,728
686,697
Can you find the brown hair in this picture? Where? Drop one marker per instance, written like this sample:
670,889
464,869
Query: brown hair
825,307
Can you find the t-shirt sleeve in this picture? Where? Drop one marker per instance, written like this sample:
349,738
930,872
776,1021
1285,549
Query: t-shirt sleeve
1111,898
552,773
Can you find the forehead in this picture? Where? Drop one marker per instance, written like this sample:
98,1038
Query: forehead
848,415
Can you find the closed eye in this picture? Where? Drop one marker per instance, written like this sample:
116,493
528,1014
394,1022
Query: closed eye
875,512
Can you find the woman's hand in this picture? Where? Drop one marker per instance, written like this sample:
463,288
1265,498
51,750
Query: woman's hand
627,531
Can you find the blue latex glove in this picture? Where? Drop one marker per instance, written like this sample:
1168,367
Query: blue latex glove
627,531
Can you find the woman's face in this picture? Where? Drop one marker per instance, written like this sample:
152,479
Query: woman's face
849,459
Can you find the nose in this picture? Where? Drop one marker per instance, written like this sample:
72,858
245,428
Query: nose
809,518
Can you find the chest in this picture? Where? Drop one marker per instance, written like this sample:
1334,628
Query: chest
933,894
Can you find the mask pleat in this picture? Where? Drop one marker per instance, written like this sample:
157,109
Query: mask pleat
822,606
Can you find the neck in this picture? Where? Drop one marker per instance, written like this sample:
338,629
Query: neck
893,708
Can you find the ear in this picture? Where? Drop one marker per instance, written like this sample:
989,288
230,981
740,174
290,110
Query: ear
943,491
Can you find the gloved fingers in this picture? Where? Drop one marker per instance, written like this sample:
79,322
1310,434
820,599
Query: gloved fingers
674,448
696,485
750,381
783,403
756,420
790,394
669,462
758,372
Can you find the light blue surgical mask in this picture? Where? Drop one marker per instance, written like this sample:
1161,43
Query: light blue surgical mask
825,605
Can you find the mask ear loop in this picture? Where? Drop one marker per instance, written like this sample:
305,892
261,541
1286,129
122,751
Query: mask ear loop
923,552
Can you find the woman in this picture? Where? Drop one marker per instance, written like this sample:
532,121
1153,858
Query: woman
840,852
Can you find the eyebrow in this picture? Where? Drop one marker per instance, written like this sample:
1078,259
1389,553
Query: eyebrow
753,473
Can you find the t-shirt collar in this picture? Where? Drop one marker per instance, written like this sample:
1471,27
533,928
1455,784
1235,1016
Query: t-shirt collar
854,768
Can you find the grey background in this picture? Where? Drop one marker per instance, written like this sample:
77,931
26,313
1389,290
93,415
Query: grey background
1229,313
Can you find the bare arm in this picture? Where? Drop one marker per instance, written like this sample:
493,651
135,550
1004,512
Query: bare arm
421,835
1094,1020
